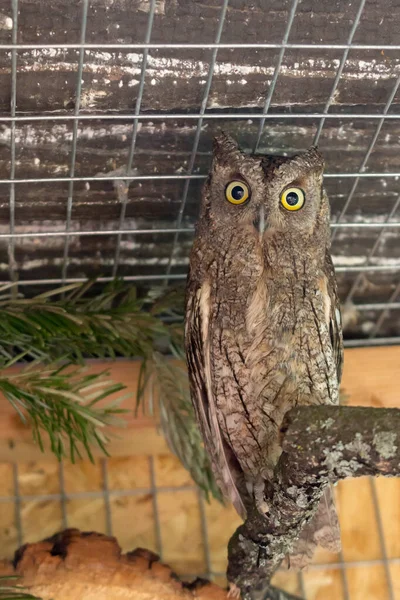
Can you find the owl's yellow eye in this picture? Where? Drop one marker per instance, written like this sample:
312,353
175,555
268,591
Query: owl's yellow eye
237,192
293,198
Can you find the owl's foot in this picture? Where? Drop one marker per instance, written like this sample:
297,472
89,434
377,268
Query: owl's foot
259,497
262,507
234,592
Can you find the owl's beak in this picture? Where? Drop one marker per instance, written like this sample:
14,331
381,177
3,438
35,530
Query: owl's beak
261,221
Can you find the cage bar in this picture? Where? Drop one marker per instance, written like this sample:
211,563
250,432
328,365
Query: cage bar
339,72
194,116
124,195
203,108
277,70
211,45
85,7
13,110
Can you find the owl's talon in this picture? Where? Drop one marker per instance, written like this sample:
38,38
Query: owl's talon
234,591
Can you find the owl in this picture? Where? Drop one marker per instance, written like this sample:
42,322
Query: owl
262,329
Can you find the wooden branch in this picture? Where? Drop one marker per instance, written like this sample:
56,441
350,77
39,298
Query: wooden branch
321,445
335,442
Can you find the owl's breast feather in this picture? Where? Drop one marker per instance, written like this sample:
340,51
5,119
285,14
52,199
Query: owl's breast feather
288,338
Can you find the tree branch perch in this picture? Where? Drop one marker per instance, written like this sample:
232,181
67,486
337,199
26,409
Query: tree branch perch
321,445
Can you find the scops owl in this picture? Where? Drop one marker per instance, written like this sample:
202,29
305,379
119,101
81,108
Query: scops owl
263,331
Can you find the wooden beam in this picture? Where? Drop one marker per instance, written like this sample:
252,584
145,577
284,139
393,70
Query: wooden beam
370,379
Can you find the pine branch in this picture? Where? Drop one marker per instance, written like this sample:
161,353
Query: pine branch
62,402
50,327
70,324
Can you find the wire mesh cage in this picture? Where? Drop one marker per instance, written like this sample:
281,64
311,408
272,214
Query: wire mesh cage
107,113
108,109
172,518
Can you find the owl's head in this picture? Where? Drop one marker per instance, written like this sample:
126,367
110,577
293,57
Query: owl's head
269,193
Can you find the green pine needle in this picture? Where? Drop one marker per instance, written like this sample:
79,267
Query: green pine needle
63,402
71,324
50,327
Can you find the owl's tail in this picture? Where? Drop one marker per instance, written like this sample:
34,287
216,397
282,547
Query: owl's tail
323,530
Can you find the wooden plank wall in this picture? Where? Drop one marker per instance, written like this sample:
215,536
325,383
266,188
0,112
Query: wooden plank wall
174,83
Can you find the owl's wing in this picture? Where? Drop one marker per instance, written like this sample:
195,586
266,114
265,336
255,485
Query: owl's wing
335,322
197,341
323,529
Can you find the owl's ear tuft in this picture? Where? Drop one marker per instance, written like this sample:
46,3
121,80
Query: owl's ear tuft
315,157
310,160
224,145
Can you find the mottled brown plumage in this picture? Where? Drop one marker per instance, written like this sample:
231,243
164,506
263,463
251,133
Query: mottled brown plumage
263,330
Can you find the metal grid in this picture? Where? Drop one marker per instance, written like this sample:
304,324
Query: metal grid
204,115
107,494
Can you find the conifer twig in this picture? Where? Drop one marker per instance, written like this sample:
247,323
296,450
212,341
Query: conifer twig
73,323
63,402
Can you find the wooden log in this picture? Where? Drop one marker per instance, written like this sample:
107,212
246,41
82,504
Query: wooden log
74,565
47,78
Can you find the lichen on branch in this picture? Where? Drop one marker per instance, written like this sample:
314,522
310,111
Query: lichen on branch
321,445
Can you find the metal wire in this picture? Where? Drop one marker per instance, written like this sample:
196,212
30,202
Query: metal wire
168,46
154,492
382,542
106,496
193,155
92,495
17,506
63,498
85,6
204,531
155,177
182,276
381,341
302,584
343,576
13,109
278,65
194,116
44,234
339,71
134,133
